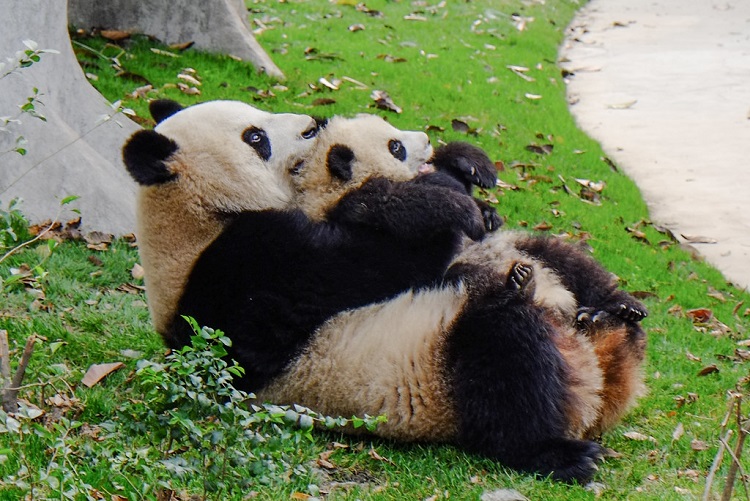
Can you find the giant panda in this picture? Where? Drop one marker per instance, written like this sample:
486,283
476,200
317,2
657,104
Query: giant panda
522,373
220,240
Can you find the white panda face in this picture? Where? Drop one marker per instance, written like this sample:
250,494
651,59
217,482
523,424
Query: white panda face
351,150
235,156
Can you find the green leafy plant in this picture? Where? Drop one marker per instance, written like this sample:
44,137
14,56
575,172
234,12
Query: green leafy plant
23,59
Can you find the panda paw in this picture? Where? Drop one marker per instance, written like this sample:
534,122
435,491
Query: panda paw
520,277
492,220
571,461
466,162
632,312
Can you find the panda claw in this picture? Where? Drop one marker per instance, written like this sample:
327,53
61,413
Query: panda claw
520,276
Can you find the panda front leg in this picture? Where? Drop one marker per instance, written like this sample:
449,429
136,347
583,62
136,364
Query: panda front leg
509,381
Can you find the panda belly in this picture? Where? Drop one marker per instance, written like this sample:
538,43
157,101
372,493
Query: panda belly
499,250
387,358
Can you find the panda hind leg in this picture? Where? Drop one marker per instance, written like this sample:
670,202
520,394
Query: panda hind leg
510,385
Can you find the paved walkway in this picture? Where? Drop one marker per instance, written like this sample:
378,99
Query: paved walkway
664,85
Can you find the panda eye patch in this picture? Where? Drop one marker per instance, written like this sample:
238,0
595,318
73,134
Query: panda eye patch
258,140
397,149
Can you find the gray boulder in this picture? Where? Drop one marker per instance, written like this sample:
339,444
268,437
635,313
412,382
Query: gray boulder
77,150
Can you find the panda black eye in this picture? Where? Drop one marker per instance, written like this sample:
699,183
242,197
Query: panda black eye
310,133
397,149
258,140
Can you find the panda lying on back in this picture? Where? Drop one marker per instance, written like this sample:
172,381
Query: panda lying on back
219,241
526,348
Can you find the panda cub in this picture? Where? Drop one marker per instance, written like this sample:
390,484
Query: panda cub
221,242
485,360
572,288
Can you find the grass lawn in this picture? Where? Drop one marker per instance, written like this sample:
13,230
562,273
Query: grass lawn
460,71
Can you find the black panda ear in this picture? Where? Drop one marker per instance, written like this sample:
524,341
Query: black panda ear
144,155
161,109
321,122
339,161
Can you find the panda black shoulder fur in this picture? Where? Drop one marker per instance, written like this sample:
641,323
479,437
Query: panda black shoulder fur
493,360
219,241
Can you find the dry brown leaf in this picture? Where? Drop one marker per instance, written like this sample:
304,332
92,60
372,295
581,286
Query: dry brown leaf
709,369
190,79
697,239
717,295
115,35
543,226
186,89
300,495
533,97
638,437
699,445
131,288
323,101
540,149
377,457
384,102
182,46
97,372
700,315
356,27
692,357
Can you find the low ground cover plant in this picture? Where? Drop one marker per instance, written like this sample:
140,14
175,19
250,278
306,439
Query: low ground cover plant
481,71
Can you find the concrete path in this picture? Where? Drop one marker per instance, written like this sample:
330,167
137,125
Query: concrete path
664,85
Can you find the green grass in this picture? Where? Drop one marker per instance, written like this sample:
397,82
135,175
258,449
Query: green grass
468,80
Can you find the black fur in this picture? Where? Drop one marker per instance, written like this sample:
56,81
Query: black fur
339,162
417,209
469,165
258,140
271,278
161,109
144,155
396,148
466,162
510,383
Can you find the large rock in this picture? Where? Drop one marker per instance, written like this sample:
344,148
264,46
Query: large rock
74,152
214,25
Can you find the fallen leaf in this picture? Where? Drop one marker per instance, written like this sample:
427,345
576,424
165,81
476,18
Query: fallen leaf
115,35
384,102
377,457
709,369
323,101
182,46
638,437
678,432
189,79
186,89
131,288
137,272
163,52
533,97
700,315
622,106
97,372
356,27
682,490
543,149
692,357
699,445
95,260
697,239
543,226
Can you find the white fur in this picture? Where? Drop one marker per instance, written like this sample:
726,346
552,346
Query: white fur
386,358
217,172
368,136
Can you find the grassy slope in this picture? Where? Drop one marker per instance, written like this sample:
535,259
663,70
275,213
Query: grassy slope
468,80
